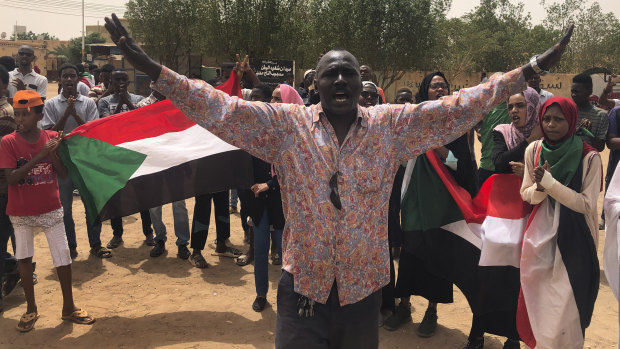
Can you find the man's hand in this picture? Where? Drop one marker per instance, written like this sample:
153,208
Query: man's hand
242,66
18,84
70,106
131,50
259,188
552,56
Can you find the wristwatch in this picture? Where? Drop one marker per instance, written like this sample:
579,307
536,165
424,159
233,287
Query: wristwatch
535,67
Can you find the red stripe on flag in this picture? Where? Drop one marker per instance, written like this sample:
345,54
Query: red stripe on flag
163,117
524,327
499,196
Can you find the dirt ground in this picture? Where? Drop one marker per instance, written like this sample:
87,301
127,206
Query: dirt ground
164,302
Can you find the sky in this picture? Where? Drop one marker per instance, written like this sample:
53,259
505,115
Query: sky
66,23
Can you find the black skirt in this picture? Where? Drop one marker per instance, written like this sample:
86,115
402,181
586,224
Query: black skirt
415,280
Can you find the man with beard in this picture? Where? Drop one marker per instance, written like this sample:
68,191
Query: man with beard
23,77
65,112
336,162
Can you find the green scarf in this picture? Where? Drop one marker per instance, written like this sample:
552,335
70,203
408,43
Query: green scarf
563,157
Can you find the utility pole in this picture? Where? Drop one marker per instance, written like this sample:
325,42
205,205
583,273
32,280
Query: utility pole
82,30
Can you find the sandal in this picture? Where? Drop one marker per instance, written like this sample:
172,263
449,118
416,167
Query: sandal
230,252
80,317
198,261
26,323
245,259
101,252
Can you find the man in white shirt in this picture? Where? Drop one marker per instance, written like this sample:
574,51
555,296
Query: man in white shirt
23,77
534,83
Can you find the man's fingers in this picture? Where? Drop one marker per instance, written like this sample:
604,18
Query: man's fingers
567,35
117,22
238,58
246,60
111,28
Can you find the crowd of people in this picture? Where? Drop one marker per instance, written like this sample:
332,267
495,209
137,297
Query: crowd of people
330,161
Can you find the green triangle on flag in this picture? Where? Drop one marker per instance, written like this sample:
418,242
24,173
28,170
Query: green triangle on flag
98,169
427,203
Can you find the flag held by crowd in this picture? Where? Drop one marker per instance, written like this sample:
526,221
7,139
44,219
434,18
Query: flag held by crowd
150,156
474,242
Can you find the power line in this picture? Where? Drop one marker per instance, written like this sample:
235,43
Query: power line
74,4
46,11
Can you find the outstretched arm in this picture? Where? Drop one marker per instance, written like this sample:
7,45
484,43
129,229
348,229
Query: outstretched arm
428,125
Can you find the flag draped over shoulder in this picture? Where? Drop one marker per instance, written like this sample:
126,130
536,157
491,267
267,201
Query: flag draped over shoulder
611,255
130,162
474,243
559,276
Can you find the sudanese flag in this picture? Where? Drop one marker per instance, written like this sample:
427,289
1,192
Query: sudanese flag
474,243
130,162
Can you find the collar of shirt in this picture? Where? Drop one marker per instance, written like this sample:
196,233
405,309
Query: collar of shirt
362,116
32,73
63,99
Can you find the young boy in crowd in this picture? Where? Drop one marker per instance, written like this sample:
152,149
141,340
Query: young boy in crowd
30,162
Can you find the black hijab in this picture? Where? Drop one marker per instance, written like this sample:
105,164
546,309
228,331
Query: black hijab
422,95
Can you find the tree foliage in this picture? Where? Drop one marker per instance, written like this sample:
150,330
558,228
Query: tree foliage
30,35
73,50
392,36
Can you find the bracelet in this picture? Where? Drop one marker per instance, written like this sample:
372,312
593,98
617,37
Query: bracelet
534,65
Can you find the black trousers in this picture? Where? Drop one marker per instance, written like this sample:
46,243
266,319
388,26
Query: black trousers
332,326
145,216
8,263
388,301
202,218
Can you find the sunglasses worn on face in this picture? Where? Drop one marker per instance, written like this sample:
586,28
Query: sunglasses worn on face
334,197
439,85
367,94
26,54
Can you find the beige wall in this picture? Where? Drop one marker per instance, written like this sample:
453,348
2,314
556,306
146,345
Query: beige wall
41,48
558,84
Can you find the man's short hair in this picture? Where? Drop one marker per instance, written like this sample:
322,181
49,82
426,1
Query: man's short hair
67,66
92,66
4,75
80,68
8,62
404,89
265,89
584,79
107,68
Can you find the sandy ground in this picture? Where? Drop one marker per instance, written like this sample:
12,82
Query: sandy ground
144,302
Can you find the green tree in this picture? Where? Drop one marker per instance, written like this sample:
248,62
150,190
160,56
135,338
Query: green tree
32,36
169,29
595,40
73,50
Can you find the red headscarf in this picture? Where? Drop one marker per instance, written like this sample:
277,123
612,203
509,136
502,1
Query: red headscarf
569,109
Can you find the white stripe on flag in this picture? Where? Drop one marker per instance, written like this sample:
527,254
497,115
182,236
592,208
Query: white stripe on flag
501,241
175,148
469,232
547,291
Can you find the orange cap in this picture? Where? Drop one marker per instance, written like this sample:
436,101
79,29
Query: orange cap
26,99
